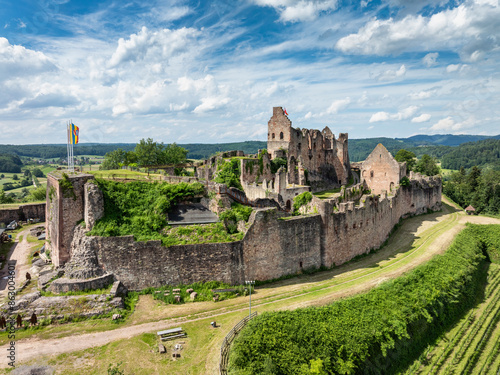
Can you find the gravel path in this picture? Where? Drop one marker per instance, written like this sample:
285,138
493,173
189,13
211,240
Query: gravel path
34,348
18,255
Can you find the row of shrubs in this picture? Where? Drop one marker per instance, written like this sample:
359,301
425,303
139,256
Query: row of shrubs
376,332
204,292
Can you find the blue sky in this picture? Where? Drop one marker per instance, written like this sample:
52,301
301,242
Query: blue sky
211,71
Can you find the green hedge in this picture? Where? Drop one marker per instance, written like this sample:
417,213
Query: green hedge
376,332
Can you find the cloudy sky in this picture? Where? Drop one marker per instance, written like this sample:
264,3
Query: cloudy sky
211,71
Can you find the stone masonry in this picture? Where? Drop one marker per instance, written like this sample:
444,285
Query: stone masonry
64,209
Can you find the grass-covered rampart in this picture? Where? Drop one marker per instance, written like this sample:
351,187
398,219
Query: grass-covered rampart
376,332
140,209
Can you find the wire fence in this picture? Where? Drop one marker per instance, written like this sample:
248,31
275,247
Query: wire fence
226,344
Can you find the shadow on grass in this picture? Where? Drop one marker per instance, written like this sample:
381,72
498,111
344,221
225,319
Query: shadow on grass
400,241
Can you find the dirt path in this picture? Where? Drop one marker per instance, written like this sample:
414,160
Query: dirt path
412,230
18,255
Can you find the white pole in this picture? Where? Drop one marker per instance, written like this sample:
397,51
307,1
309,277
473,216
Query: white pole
67,141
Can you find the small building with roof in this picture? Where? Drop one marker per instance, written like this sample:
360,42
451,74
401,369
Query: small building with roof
470,210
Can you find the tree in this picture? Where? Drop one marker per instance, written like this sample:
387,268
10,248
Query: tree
427,166
148,152
113,159
174,154
406,156
5,198
37,172
15,177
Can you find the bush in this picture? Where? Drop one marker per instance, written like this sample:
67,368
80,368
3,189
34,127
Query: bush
228,172
301,200
139,208
375,332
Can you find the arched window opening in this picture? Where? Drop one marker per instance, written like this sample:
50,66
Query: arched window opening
273,136
281,135
371,173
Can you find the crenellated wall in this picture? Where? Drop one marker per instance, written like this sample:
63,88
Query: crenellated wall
274,244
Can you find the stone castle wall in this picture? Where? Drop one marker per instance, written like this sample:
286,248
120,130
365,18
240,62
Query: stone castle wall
325,158
64,209
273,246
23,213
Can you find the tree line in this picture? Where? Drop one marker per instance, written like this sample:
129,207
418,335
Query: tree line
478,187
146,153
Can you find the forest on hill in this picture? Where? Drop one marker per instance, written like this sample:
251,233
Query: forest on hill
484,151
10,163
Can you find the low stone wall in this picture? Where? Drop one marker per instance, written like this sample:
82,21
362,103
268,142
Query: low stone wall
23,213
64,285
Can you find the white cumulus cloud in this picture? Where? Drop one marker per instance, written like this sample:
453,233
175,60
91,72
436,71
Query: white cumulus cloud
404,114
299,10
422,118
449,124
161,44
430,59
471,28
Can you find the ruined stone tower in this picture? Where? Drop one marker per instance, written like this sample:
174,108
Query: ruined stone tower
64,209
325,158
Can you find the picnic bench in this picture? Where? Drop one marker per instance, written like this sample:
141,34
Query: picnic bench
170,334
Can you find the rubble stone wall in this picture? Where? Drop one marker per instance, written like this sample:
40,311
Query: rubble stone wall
23,213
273,246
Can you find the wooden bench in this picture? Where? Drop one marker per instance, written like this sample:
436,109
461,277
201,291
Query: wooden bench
170,334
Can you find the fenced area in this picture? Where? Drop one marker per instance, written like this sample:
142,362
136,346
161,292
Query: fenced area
226,344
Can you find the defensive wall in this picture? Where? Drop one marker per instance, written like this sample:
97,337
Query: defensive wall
23,213
274,245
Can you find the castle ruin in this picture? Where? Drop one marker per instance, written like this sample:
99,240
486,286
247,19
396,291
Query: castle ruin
329,231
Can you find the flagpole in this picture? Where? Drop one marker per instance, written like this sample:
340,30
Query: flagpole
67,141
71,146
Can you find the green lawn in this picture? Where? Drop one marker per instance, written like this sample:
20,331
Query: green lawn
325,194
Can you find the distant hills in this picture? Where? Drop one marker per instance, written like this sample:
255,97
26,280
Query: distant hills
435,145
445,139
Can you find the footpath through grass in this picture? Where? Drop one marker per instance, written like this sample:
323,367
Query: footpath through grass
201,351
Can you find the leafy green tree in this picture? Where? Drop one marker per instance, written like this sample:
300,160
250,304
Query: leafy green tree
479,188
228,172
15,177
27,173
5,198
113,159
37,172
148,152
427,166
174,154
37,194
406,156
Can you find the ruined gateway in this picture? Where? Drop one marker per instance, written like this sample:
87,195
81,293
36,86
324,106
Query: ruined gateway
329,232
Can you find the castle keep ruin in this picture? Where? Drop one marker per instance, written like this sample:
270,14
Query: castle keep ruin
329,232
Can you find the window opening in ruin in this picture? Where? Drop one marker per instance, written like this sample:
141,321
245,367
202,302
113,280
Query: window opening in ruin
298,146
380,156
288,204
300,264
273,136
371,173
281,135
